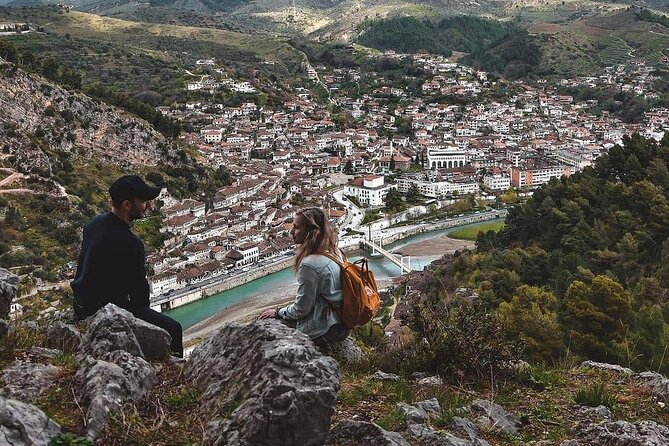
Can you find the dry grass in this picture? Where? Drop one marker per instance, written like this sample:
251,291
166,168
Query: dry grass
543,400
169,416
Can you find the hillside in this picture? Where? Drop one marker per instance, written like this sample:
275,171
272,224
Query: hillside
110,379
340,19
59,151
133,56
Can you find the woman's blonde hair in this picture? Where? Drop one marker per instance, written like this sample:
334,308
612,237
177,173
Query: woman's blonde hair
320,235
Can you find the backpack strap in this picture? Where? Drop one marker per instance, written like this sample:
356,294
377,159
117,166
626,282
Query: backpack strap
339,262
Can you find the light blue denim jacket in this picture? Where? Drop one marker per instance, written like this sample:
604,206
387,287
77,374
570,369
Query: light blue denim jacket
318,287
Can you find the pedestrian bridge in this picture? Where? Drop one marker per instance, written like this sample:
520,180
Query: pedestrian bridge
405,268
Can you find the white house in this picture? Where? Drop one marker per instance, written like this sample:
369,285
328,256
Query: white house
369,190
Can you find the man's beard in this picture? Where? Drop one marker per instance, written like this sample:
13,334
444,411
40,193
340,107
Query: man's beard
136,213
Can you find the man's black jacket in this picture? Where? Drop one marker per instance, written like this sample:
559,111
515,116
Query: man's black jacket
110,268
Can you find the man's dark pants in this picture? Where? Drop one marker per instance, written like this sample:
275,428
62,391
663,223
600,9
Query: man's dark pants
165,322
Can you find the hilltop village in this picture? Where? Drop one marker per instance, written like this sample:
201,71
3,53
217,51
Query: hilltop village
387,136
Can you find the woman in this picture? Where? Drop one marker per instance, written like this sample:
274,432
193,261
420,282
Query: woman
319,295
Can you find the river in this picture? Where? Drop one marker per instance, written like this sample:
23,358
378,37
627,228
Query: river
190,314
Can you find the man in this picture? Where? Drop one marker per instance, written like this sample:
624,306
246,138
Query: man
111,262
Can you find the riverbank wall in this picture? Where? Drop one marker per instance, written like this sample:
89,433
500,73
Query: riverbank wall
224,284
386,240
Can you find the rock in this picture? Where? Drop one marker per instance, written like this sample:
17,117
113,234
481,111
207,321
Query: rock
519,366
63,336
44,353
493,416
415,376
354,433
264,384
9,283
26,381
601,412
155,341
431,406
657,383
623,433
105,385
569,443
346,351
419,430
431,381
464,426
4,328
382,376
24,424
113,328
412,414
429,437
65,316
607,367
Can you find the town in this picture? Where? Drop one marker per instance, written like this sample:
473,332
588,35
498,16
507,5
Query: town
348,148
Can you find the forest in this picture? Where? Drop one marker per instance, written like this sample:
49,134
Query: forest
582,267
460,33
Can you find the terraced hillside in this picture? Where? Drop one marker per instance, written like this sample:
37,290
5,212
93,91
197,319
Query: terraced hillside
582,46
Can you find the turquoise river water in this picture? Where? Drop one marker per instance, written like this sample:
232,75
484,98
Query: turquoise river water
200,310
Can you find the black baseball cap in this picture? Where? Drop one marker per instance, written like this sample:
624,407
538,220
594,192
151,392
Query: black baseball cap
132,186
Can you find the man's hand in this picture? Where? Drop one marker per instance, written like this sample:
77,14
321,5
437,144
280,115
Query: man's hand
268,314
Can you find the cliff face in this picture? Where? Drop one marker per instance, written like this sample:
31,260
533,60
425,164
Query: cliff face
40,120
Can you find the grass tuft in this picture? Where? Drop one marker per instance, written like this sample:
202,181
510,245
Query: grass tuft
595,395
394,421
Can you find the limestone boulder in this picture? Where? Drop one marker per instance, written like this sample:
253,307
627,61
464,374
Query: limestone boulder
354,433
63,336
425,435
4,328
106,385
264,384
27,381
113,328
346,351
9,284
615,368
383,376
492,416
657,383
464,426
23,424
623,433
431,407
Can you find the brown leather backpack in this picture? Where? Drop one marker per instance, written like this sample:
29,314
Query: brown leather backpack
360,294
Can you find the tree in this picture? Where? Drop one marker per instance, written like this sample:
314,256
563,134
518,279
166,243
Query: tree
510,197
413,194
393,201
392,162
532,316
7,51
597,317
50,68
348,168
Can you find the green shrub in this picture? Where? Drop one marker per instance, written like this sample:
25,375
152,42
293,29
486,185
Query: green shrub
462,340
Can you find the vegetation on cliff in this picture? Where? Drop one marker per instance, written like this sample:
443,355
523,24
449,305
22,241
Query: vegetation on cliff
581,267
